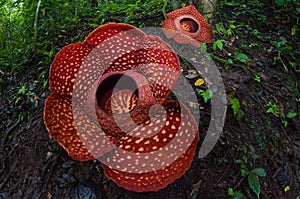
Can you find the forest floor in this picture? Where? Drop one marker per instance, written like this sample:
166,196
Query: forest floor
33,165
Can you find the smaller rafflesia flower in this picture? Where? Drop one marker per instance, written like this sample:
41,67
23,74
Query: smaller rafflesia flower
187,26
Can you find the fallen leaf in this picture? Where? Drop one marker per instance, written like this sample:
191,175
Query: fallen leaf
199,82
287,188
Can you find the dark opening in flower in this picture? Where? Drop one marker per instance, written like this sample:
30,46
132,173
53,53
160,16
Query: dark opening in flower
189,25
118,98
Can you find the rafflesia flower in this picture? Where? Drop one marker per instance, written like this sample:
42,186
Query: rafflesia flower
186,23
109,101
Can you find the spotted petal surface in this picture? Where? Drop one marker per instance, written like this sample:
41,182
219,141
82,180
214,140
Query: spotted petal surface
59,121
151,163
109,101
187,26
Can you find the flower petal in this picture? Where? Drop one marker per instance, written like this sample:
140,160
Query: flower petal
155,59
59,122
187,26
149,163
65,66
189,10
81,115
109,30
169,25
69,59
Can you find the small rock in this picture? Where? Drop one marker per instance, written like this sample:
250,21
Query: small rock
192,76
81,191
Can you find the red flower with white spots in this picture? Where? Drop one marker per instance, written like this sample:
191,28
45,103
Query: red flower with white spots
186,23
109,101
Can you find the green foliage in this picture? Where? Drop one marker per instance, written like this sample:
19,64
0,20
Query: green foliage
203,46
253,180
236,194
236,107
257,78
219,27
289,115
280,43
218,44
294,66
286,48
273,108
16,34
288,3
242,58
59,23
25,93
284,122
254,183
252,175
206,94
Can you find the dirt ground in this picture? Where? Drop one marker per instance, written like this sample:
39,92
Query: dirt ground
32,165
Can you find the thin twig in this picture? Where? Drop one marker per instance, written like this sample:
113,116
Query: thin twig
51,166
35,24
240,182
196,188
164,8
285,68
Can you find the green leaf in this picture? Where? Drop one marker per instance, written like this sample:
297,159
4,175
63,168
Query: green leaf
232,4
257,78
205,94
291,114
220,28
279,2
10,137
204,46
243,172
219,44
284,122
294,30
235,105
254,184
232,26
245,158
230,191
22,90
94,25
230,61
259,171
242,57
273,108
17,100
238,195
254,155
235,194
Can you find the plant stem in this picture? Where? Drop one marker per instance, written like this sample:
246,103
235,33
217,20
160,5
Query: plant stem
35,24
